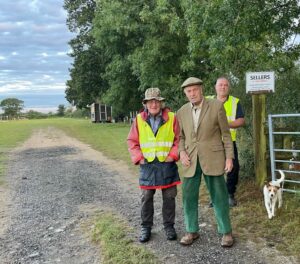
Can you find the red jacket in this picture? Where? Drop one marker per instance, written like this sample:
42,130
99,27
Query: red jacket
134,144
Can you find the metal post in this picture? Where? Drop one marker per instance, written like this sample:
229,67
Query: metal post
271,146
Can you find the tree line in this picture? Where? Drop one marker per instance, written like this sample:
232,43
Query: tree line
123,47
12,109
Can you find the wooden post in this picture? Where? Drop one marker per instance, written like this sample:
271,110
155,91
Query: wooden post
260,142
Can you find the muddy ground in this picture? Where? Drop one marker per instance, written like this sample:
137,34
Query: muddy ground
55,185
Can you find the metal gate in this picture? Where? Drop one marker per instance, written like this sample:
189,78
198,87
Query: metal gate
293,152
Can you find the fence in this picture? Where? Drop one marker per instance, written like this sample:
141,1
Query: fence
293,161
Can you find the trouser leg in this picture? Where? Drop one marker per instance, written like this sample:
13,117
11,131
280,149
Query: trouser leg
190,196
168,208
216,186
233,176
147,208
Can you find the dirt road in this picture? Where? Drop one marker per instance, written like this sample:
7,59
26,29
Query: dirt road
54,186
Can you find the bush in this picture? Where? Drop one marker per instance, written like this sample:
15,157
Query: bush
31,114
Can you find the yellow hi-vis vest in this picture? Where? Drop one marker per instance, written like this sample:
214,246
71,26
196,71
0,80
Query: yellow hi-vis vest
156,146
230,106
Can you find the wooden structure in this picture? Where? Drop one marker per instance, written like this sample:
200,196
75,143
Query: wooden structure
101,113
260,140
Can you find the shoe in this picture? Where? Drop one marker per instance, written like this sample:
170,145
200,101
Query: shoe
171,233
232,201
189,238
145,234
227,240
210,205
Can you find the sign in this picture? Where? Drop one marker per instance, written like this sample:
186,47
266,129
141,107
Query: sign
260,82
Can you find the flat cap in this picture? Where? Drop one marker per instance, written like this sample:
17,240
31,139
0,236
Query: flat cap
191,81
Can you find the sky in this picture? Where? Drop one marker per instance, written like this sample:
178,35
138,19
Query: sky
33,53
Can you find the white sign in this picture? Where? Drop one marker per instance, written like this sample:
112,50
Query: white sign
260,82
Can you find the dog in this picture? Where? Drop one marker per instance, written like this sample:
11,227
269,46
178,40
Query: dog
293,165
273,194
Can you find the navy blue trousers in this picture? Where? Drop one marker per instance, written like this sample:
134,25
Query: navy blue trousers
233,176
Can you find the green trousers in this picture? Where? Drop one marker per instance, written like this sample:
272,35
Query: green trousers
216,186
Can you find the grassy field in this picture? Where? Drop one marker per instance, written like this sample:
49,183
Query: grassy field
100,136
249,219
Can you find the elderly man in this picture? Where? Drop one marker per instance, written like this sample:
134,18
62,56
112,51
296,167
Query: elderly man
153,144
205,146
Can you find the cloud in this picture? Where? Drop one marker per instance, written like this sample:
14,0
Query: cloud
33,47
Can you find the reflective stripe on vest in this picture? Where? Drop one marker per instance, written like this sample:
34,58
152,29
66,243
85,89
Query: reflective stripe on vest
230,106
156,146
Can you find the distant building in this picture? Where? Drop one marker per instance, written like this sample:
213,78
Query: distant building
101,113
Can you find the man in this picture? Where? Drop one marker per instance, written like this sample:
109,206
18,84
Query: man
205,146
153,144
235,117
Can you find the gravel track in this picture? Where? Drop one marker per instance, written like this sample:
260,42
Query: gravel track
55,184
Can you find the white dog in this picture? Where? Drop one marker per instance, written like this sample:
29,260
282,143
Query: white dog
272,194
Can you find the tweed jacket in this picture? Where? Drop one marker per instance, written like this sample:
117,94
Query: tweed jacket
211,143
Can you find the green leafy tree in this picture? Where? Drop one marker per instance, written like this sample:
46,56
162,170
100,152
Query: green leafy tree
61,110
86,85
118,31
157,62
12,107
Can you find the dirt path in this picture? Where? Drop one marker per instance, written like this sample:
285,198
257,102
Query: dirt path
55,184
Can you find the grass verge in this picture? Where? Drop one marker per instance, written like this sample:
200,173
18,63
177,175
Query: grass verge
251,221
116,247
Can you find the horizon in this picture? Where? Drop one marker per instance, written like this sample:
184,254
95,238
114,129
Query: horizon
44,103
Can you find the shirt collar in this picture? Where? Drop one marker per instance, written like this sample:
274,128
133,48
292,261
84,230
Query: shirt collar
158,115
197,106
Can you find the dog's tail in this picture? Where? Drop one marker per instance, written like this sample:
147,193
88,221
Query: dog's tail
282,176
279,181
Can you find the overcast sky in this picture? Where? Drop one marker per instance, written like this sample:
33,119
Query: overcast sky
33,52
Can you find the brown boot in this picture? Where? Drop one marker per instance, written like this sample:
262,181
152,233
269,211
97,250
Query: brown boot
189,238
227,240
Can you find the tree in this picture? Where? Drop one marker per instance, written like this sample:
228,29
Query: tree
12,107
124,47
243,36
61,110
118,31
86,85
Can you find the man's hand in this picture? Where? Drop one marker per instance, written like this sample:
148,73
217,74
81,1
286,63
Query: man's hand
142,161
228,165
185,159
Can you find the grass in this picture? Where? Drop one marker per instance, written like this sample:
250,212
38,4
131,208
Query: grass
12,134
107,138
112,234
249,219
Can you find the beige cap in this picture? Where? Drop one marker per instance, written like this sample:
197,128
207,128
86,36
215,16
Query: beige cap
191,81
152,93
